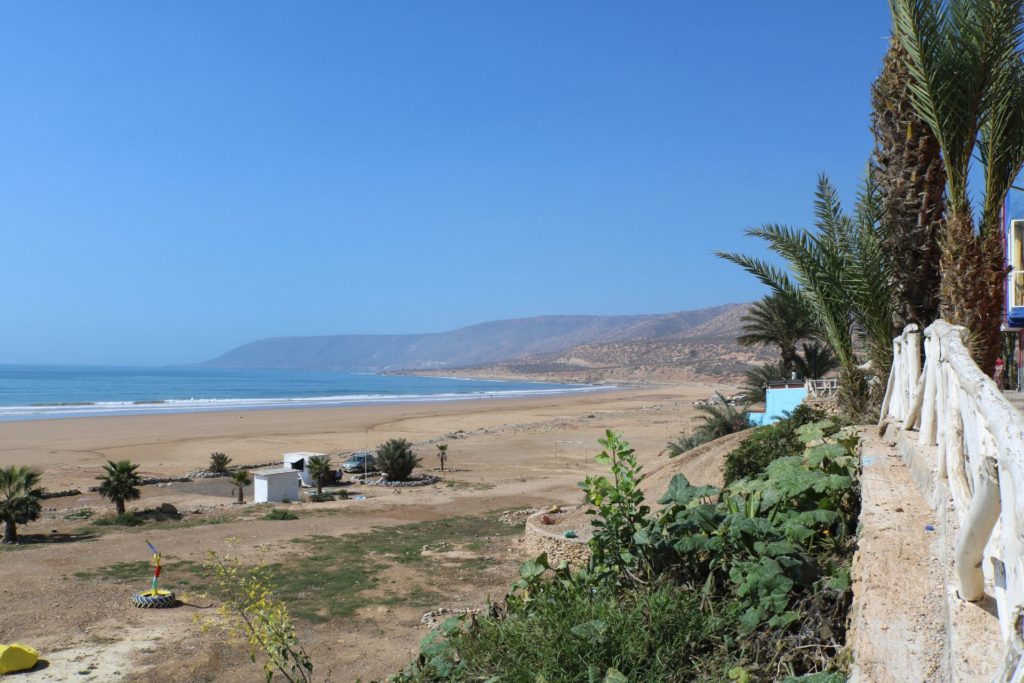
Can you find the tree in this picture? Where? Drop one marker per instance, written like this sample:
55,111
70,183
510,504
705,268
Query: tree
912,182
815,360
442,454
240,479
719,419
396,459
319,467
20,496
841,272
781,319
119,483
964,60
219,462
755,379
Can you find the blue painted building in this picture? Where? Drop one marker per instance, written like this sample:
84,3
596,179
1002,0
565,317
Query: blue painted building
1015,280
781,397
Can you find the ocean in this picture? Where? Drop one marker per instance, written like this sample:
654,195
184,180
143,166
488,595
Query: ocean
32,392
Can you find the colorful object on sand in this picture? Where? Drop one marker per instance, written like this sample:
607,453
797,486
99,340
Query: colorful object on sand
569,533
17,657
554,510
154,597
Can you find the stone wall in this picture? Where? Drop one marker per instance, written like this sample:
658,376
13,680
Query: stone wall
575,551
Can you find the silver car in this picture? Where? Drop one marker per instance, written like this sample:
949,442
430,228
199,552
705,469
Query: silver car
359,462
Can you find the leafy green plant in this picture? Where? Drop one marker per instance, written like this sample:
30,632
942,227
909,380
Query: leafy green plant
81,513
319,471
123,519
250,613
442,454
767,443
119,483
20,499
279,514
396,460
718,418
239,480
620,541
219,462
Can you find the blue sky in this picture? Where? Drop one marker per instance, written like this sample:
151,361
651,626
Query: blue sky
180,178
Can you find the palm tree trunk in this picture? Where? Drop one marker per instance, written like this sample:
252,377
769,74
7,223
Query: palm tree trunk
10,532
240,499
119,505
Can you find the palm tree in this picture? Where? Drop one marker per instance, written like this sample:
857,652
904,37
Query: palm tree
319,467
118,483
240,479
964,59
780,319
840,272
719,419
912,182
815,360
442,454
219,462
396,460
20,496
755,379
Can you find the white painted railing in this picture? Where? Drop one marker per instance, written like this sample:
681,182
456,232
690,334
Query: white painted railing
822,388
977,439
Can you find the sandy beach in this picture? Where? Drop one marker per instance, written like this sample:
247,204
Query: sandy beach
64,589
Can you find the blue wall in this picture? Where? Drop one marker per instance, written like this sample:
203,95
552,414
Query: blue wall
779,402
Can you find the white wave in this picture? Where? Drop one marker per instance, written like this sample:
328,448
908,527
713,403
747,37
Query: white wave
196,405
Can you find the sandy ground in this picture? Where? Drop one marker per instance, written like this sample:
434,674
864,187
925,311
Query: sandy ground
506,454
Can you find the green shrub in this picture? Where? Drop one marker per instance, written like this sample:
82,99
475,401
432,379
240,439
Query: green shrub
396,460
219,462
578,637
123,519
766,444
278,513
324,497
714,586
83,513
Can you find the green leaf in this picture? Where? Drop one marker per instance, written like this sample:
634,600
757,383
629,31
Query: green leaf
682,492
592,631
640,537
533,568
615,676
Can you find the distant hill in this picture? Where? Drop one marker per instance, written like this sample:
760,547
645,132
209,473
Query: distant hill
487,343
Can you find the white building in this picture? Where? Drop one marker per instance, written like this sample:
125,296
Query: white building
275,485
299,462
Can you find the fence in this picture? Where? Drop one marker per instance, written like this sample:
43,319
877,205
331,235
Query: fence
977,440
822,388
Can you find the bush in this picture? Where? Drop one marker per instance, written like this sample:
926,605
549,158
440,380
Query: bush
219,462
279,514
578,637
714,586
396,460
83,513
123,519
767,444
324,497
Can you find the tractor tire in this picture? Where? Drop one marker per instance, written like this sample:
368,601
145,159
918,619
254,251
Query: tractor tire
150,600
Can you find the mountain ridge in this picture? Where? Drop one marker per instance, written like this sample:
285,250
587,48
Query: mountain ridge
493,341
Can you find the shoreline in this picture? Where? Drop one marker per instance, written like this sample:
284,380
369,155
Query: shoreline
69,451
171,406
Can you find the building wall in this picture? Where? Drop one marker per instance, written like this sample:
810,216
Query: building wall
778,402
276,488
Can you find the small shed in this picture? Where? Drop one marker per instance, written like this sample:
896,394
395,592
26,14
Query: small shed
781,397
299,462
275,485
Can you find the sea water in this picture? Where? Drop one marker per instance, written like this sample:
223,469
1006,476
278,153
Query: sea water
42,392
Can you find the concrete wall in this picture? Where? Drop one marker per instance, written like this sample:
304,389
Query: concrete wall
275,487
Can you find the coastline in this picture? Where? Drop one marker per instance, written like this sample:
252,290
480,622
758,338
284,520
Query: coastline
70,450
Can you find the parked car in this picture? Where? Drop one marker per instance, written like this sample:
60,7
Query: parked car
360,462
